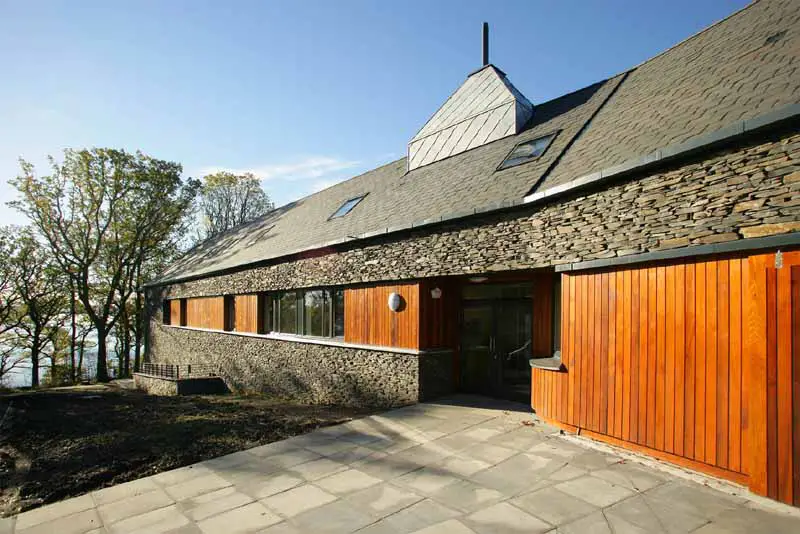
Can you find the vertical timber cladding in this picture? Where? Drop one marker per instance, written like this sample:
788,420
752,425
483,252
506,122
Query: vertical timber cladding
206,312
654,361
248,314
774,347
369,321
175,316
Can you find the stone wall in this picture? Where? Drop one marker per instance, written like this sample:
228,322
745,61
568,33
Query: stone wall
320,374
155,385
739,192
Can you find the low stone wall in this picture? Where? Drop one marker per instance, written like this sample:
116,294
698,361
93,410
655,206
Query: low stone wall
319,374
155,385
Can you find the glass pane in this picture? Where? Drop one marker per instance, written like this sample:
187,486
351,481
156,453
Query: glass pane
497,291
266,313
338,313
345,208
316,313
557,313
287,313
476,354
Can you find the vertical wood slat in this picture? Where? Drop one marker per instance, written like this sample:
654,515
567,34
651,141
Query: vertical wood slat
368,319
795,346
783,366
653,358
205,312
247,313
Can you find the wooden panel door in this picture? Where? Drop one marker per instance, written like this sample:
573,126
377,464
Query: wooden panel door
653,357
773,345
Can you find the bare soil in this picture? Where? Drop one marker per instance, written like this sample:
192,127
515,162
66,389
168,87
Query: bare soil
59,444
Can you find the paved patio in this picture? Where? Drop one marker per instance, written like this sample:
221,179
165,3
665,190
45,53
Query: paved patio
465,465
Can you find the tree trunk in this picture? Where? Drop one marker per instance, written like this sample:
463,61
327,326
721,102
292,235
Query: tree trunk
79,370
137,331
35,361
102,363
73,334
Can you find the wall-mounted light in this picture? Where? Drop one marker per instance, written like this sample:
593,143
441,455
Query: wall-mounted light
436,293
394,301
478,279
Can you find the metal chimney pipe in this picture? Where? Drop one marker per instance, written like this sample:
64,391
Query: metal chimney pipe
485,43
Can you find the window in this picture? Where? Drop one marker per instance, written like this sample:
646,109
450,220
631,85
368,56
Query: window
229,313
285,313
183,312
338,313
313,312
527,151
317,313
165,312
347,207
265,313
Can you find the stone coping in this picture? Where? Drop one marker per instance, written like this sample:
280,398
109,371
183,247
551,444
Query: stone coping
331,342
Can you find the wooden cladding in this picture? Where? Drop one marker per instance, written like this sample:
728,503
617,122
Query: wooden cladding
654,357
438,316
369,321
773,343
247,314
206,312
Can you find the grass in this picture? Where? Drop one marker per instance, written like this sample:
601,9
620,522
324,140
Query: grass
59,444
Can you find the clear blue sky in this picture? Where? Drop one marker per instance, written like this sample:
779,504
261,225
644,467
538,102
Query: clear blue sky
305,93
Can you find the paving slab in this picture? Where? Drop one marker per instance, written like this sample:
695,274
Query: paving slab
383,500
506,518
297,500
336,517
134,505
216,502
553,506
461,465
347,481
248,518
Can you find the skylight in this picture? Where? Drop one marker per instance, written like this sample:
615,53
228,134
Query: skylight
347,207
527,151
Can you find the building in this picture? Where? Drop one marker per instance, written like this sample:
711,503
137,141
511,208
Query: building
626,258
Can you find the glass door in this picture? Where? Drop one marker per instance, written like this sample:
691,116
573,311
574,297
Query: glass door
496,344
512,348
477,331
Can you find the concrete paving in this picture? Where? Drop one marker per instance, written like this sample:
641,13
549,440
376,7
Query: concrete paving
466,465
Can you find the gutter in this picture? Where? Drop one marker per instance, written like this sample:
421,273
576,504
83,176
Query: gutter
668,154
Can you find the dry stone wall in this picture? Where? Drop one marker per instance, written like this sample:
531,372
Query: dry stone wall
740,192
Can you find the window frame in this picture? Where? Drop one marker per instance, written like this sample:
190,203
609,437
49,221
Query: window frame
357,200
552,137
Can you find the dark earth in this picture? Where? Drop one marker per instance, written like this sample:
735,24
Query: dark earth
59,444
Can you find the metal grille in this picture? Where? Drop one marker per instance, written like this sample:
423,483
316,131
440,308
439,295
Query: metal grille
178,371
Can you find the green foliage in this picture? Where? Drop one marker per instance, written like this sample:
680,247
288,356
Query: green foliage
227,200
103,213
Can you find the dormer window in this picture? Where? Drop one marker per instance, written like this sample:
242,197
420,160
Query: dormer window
527,151
347,207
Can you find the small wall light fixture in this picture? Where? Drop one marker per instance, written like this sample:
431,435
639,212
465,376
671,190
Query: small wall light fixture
436,293
394,302
478,279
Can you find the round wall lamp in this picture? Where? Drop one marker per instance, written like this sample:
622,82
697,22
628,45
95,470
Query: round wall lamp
395,301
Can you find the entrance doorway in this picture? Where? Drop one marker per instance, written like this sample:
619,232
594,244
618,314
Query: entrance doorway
496,326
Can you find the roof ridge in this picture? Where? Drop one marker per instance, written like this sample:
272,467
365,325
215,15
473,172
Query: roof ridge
687,39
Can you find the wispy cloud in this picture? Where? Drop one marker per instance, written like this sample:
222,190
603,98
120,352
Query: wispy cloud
303,169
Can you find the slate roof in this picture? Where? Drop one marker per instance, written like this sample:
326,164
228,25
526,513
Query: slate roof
739,68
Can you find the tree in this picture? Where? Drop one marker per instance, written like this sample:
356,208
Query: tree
9,303
227,200
40,285
101,211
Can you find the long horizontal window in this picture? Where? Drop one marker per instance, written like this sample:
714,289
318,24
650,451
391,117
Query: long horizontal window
313,312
